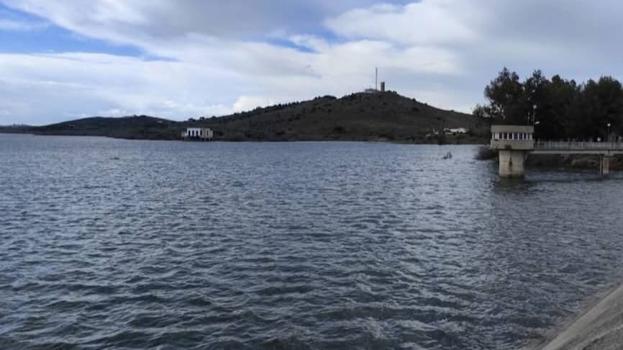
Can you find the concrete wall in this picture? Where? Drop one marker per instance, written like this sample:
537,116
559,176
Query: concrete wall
604,165
512,137
512,163
525,145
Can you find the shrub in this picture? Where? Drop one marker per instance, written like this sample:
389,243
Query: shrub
485,153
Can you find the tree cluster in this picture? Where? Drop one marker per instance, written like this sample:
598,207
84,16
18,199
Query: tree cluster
559,108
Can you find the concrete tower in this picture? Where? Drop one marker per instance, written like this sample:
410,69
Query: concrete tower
513,143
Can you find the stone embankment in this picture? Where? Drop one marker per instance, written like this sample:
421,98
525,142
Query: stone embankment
599,328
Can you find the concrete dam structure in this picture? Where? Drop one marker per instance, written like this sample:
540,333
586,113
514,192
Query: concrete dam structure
514,143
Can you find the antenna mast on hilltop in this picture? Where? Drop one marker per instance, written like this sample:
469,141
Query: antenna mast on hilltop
376,78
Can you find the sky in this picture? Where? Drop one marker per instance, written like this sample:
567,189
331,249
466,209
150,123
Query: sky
181,59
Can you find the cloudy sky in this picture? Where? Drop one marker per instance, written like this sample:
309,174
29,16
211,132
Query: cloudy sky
188,58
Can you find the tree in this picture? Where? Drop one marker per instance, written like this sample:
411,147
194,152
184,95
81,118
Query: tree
507,100
562,96
559,108
482,112
599,103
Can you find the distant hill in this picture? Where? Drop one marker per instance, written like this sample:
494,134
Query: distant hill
134,127
15,129
361,117
379,116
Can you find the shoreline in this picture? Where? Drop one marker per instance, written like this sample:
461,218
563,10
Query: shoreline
598,325
387,141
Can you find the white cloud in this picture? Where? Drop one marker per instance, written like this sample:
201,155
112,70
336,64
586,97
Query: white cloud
221,56
132,21
422,23
54,87
21,26
208,76
246,103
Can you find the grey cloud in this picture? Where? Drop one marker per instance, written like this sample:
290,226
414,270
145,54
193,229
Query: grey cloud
165,19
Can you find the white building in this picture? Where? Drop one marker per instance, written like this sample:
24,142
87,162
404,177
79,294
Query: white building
456,131
512,137
198,134
513,144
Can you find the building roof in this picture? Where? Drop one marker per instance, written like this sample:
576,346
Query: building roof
513,128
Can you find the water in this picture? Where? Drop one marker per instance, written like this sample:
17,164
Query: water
135,244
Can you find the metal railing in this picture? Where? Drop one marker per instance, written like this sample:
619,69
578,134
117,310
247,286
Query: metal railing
578,146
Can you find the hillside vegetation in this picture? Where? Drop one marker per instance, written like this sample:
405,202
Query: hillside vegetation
135,127
358,117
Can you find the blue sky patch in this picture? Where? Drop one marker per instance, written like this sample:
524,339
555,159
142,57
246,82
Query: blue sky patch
36,35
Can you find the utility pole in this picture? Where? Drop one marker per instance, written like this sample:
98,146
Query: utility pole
376,78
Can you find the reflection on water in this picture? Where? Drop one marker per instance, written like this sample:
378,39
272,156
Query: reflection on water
110,243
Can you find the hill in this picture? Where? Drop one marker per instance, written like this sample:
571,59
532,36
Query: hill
379,116
15,129
359,117
134,127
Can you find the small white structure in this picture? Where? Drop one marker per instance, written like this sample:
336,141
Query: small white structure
456,131
517,137
204,134
381,89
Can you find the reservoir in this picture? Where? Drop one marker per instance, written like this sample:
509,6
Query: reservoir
121,244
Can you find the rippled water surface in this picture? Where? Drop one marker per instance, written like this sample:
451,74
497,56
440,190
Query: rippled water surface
132,244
